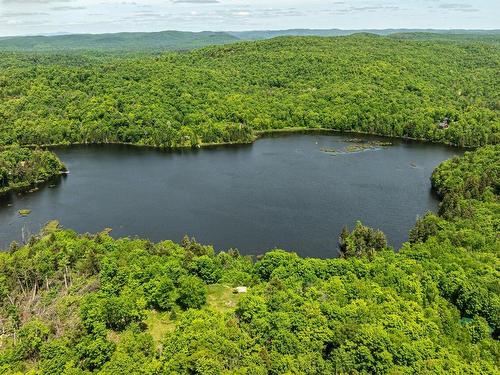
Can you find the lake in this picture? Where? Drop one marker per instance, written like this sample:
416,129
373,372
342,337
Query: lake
280,192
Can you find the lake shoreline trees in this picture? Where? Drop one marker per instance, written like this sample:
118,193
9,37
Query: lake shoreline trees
24,168
79,304
230,93
257,135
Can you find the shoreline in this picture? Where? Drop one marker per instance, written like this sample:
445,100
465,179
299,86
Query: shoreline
326,131
24,188
257,134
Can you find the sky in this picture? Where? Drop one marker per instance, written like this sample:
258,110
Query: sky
33,17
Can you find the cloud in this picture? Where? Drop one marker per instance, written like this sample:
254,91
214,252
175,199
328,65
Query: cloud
195,1
23,14
458,7
64,8
363,9
196,15
33,1
241,13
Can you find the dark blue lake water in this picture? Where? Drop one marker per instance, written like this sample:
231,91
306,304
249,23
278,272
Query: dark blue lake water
280,192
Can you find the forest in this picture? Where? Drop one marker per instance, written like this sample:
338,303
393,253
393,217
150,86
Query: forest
227,94
22,168
74,303
87,303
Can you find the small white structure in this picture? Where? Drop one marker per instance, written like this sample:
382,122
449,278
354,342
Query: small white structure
240,289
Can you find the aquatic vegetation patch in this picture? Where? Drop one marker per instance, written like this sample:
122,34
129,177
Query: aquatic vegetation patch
358,145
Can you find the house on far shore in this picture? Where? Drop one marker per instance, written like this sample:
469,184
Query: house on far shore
445,124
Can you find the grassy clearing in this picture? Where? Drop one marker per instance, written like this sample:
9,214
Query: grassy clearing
159,324
221,298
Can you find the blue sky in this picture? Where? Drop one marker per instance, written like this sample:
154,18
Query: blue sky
21,17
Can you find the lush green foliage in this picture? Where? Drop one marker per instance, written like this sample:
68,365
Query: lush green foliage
471,176
79,304
362,241
74,304
23,167
361,83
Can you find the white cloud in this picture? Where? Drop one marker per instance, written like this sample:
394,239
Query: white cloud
19,17
68,8
22,2
458,7
195,1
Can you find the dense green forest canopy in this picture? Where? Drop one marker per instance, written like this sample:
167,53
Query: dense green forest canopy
81,304
22,168
363,83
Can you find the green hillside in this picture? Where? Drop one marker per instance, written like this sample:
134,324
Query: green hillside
224,94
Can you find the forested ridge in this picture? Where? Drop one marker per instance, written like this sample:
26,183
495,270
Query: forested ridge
172,40
116,42
224,94
80,304
487,37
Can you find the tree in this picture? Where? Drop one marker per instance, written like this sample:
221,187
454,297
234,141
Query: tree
56,355
427,226
361,242
343,240
192,292
207,268
31,336
161,293
94,351
478,329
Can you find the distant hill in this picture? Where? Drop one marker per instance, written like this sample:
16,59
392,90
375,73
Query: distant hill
181,40
155,41
267,34
487,37
412,33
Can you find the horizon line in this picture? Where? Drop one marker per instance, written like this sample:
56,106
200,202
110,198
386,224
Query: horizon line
64,33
